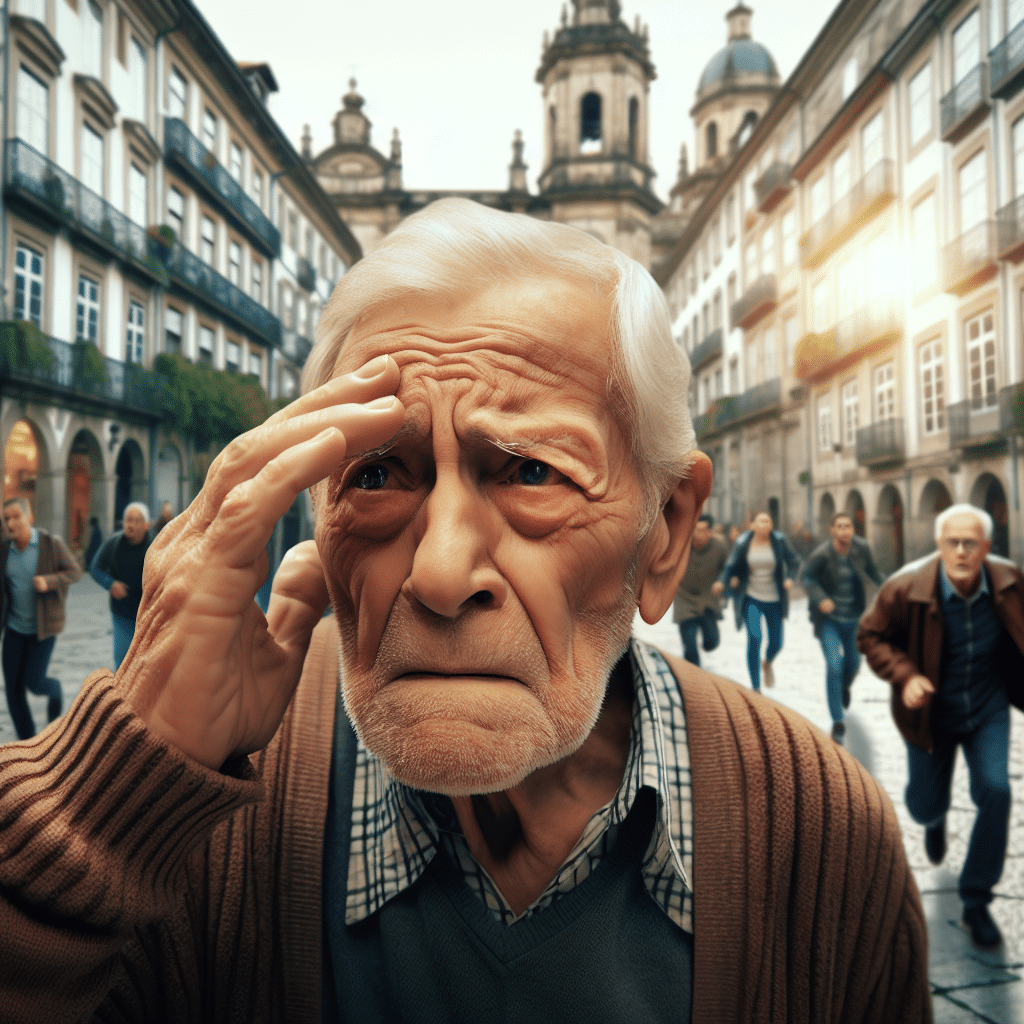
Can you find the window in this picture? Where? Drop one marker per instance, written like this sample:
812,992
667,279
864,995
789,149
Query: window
716,310
235,264
210,130
173,324
33,115
255,365
590,123
933,388
136,334
966,46
920,104
293,230
750,264
1014,14
207,240
1018,157
28,285
92,160
718,383
819,199
734,376
851,413
288,306
711,134
257,281
87,313
730,217
92,40
137,80
925,243
885,391
309,244
789,336
232,356
849,78
176,211
768,251
177,92
980,332
824,424
872,143
749,198
841,175
716,240
235,162
753,365
973,192
788,238
257,189
206,346
771,359
137,195
820,320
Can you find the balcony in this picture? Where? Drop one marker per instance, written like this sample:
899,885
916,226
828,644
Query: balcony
305,274
755,303
1010,219
68,374
1006,64
189,155
295,346
848,215
970,260
709,348
733,410
1011,409
704,424
63,200
881,443
773,186
965,105
973,428
819,356
197,277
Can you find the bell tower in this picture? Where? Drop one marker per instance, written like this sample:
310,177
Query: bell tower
596,73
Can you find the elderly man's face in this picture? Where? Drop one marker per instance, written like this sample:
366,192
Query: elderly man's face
963,548
485,590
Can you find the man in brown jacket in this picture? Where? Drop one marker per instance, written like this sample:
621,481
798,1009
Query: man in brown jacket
508,809
948,633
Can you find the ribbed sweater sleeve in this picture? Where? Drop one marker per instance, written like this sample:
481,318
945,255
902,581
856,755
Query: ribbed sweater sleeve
97,818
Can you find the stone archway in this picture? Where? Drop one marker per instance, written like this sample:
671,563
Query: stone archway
935,498
855,509
86,493
131,483
21,463
168,480
826,510
988,493
889,542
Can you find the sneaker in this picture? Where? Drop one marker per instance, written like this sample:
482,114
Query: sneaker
768,673
935,842
978,923
838,732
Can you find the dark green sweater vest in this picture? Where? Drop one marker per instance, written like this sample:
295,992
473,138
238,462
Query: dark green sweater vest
603,952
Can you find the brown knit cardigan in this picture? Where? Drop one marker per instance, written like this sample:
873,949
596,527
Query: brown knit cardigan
136,885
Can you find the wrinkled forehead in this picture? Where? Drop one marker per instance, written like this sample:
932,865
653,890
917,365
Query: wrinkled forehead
963,525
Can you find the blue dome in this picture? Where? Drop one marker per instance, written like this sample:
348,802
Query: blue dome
740,57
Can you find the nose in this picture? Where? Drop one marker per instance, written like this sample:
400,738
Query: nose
452,570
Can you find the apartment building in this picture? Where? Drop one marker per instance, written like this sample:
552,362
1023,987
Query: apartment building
151,205
880,299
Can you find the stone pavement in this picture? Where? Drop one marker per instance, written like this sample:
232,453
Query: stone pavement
969,986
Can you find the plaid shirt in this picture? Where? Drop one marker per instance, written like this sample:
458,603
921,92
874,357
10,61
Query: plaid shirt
397,830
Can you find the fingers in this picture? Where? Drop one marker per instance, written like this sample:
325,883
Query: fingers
299,596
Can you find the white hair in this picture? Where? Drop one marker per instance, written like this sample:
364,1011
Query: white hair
455,246
141,506
961,510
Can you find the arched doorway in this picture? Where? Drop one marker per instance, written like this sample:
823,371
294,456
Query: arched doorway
889,549
855,509
131,479
988,494
21,463
935,498
85,490
168,479
826,510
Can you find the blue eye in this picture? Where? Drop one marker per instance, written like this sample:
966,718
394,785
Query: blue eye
533,473
371,478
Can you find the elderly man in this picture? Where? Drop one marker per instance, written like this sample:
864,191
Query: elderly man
117,567
696,605
533,818
948,633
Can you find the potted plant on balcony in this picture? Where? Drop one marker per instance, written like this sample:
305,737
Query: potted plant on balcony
88,367
23,348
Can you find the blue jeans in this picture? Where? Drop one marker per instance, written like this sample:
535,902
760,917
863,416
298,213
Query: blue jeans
752,612
124,634
707,624
842,661
25,659
986,750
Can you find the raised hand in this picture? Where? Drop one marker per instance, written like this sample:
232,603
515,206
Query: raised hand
207,670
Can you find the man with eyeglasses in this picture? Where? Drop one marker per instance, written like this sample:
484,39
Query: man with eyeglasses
948,633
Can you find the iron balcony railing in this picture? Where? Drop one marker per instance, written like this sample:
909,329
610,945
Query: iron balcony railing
971,259
773,186
965,104
1011,408
704,424
881,442
295,346
198,277
849,214
756,302
1006,64
182,148
305,274
1010,219
709,348
731,410
71,375
37,178
971,427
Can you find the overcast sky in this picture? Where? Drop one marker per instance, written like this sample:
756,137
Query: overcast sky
456,77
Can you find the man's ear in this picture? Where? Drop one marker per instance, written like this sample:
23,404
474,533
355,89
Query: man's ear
669,539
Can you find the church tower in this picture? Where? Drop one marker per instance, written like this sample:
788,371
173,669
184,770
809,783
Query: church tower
596,73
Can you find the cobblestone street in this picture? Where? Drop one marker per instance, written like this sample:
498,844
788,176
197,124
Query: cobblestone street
969,986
